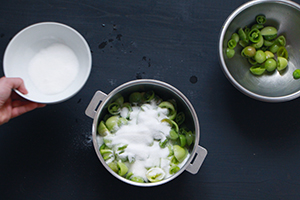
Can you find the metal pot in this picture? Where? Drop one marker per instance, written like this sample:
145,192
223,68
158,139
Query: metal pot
165,91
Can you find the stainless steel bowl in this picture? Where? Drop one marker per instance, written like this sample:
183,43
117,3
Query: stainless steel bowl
165,91
275,87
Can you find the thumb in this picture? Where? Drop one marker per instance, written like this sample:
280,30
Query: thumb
15,83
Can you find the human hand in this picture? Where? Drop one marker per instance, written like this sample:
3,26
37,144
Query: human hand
11,104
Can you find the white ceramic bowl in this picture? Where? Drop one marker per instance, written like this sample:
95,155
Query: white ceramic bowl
32,40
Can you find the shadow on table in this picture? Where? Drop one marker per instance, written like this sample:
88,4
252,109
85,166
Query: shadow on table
262,120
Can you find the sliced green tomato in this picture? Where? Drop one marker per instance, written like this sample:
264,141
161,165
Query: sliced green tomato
123,169
252,61
257,70
281,40
270,65
174,169
148,96
274,48
163,144
260,42
135,97
243,35
173,134
170,107
230,53
126,110
112,123
155,174
248,52
102,129
269,32
190,138
103,146
114,108
260,56
107,156
106,141
231,44
254,35
174,161
180,117
182,140
120,100
269,54
236,37
137,179
282,52
268,43
122,121
257,26
113,166
128,175
260,19
172,123
179,153
243,43
106,153
296,74
270,37
127,105
122,147
281,63
171,152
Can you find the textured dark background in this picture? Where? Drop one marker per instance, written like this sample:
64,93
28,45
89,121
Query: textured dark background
48,154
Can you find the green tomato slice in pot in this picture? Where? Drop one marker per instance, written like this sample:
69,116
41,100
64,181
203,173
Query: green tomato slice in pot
155,174
179,153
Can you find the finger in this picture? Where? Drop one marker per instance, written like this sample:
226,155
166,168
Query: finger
17,111
17,100
15,83
16,96
41,105
18,103
5,115
22,102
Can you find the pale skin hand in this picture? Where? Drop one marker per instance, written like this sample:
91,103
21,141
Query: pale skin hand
11,104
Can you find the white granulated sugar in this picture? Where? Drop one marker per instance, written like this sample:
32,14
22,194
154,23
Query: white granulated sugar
140,134
54,68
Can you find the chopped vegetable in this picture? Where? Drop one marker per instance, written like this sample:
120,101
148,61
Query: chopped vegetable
133,139
261,46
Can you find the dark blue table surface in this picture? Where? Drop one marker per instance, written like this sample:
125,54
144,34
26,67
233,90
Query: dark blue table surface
48,154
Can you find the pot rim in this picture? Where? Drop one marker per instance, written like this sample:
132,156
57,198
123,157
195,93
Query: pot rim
173,90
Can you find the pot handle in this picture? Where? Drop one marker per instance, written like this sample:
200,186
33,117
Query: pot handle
93,105
194,167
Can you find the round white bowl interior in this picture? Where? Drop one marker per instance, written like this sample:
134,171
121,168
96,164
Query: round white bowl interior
29,41
270,87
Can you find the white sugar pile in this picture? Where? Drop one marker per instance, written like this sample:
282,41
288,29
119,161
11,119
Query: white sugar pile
54,68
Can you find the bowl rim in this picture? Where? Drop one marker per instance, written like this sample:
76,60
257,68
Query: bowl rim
228,75
51,23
